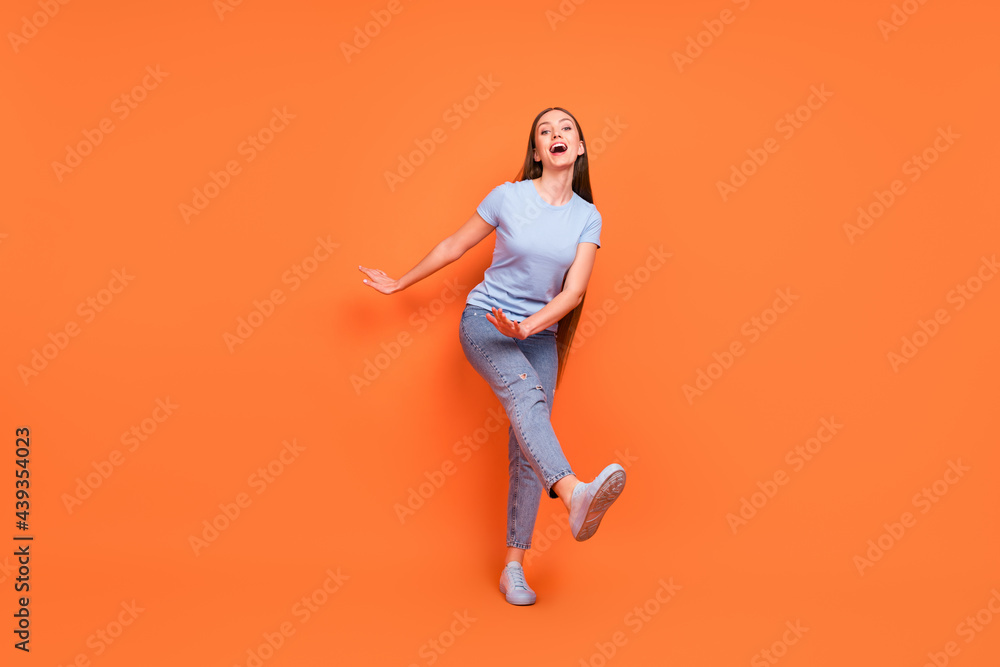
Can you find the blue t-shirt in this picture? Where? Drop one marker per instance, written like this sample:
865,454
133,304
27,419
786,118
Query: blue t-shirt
535,246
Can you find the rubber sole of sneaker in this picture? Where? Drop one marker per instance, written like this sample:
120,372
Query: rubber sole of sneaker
608,493
522,604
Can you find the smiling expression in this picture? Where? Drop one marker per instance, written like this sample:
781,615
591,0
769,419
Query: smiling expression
557,141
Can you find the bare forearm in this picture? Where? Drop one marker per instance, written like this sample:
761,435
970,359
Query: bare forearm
552,312
441,256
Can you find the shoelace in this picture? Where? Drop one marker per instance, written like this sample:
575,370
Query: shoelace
516,576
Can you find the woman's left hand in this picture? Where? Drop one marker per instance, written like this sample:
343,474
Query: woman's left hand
505,326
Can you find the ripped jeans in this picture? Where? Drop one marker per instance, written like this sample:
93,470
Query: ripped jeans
522,374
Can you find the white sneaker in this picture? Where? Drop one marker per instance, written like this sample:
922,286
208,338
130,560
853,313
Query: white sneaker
590,501
513,585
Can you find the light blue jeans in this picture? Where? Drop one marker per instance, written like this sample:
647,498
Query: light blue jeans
522,374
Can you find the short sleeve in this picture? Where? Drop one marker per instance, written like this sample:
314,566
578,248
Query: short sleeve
592,231
489,208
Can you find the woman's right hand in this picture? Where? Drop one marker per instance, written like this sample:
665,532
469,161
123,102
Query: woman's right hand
379,281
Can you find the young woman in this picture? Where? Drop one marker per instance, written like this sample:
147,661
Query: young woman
548,232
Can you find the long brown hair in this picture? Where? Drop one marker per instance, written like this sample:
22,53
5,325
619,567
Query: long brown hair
581,186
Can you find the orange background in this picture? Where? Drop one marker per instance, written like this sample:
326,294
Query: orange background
690,463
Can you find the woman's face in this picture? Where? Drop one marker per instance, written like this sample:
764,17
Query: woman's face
557,142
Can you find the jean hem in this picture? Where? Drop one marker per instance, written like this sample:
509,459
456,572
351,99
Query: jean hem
519,545
558,476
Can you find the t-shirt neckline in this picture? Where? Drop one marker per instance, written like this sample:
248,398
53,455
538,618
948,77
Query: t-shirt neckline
538,195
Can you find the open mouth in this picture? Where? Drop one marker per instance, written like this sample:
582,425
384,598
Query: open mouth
558,148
